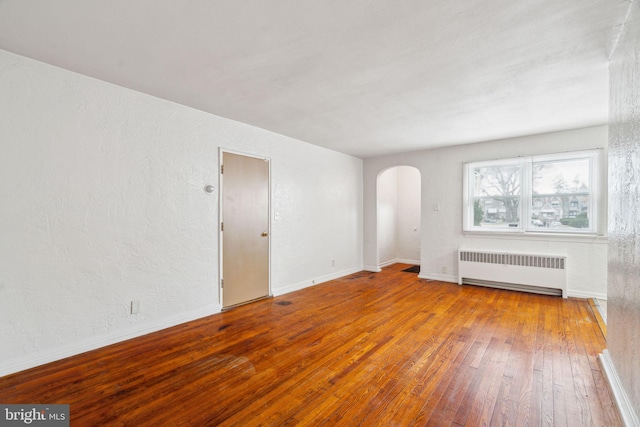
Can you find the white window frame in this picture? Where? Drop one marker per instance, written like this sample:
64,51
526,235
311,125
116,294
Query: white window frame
525,205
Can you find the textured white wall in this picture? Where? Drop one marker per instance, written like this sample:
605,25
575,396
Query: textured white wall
441,234
103,203
623,307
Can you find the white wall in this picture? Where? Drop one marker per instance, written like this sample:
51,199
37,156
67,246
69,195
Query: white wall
103,203
623,307
398,215
442,235
408,224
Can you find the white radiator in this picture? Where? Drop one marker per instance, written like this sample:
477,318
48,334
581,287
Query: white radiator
537,273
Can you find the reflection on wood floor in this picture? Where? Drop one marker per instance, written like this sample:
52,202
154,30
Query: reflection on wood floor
381,349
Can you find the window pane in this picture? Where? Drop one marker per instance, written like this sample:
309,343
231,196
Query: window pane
496,196
559,177
552,193
493,212
565,211
561,196
497,181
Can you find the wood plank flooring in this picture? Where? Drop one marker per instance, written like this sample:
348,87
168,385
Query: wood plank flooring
384,349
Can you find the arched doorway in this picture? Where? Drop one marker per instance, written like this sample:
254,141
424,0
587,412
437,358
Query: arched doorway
398,201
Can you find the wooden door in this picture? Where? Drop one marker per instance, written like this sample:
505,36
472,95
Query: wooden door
245,229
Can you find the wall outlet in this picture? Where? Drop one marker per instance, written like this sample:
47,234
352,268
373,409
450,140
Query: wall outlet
444,269
135,306
333,263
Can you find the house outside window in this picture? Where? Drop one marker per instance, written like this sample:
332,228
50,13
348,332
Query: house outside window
551,193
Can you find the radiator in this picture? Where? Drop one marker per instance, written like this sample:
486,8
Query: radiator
545,274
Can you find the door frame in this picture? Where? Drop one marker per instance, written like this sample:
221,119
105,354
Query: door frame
221,151
380,174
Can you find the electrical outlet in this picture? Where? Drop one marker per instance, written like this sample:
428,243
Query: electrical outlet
135,306
333,263
444,269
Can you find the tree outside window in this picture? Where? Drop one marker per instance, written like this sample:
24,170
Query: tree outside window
558,195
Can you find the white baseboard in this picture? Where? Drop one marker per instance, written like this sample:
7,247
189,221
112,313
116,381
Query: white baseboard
399,261
440,277
629,417
378,269
387,263
586,294
454,279
92,343
312,282
407,261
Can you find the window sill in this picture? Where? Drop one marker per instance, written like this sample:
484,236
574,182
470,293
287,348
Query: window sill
548,237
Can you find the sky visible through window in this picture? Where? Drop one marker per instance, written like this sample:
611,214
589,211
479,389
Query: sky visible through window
561,176
551,192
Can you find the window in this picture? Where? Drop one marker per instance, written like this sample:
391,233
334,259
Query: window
555,193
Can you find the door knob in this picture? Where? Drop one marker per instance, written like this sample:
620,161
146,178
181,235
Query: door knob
265,234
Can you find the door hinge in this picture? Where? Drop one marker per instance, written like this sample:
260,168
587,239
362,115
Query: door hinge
222,169
222,283
222,226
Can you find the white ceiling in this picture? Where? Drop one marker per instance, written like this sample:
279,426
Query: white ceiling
365,77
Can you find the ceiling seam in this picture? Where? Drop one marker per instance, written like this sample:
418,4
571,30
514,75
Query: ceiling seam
624,23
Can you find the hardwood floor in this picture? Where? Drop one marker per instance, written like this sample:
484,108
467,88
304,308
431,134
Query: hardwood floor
382,349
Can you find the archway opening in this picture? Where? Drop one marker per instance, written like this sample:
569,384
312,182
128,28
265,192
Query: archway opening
399,216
